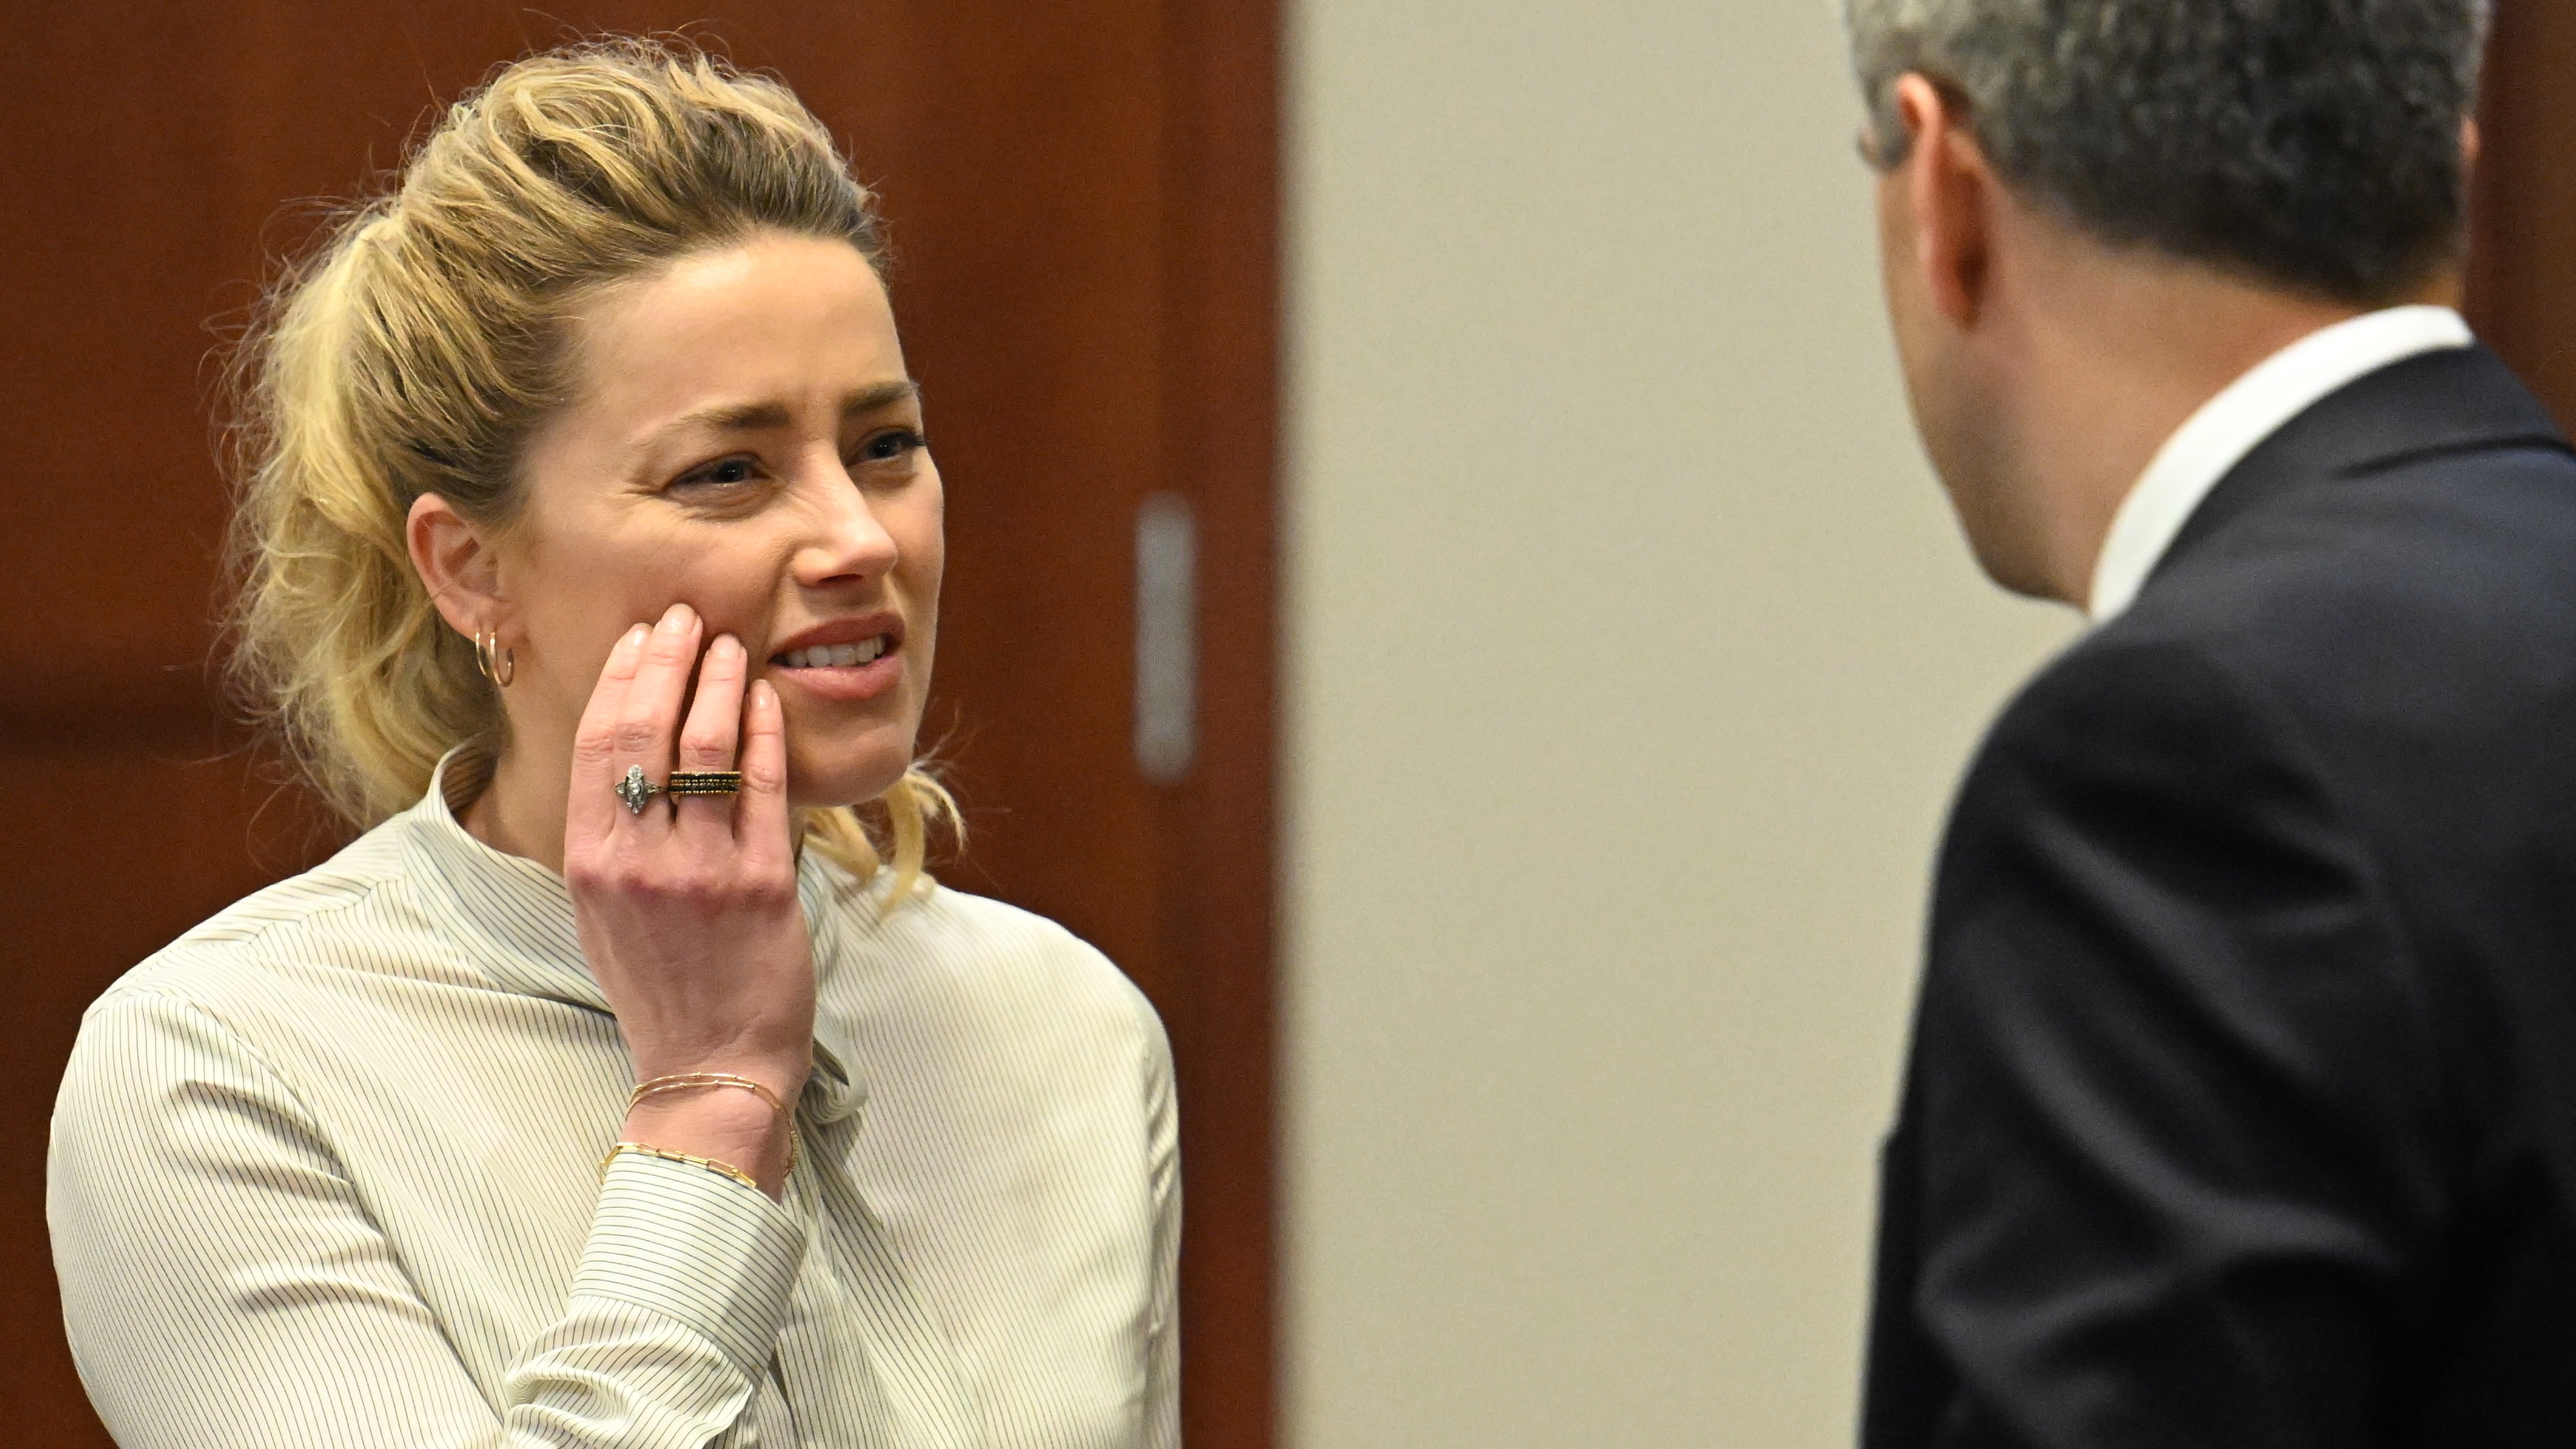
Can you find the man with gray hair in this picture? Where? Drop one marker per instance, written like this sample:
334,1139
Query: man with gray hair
2241,1107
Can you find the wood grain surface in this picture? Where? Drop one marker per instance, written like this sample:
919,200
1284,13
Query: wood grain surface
1084,204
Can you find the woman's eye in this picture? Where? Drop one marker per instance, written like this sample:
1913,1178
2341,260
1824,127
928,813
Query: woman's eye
887,446
721,472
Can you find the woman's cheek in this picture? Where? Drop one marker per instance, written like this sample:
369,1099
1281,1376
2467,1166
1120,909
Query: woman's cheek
727,594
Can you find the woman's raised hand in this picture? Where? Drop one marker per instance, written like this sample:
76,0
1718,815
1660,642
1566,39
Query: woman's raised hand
687,909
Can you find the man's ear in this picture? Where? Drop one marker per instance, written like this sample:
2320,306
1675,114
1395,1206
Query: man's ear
456,562
1952,191
2472,141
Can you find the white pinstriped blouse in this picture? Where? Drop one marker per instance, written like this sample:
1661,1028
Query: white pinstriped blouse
324,1173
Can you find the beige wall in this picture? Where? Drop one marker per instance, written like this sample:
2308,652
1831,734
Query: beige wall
1633,658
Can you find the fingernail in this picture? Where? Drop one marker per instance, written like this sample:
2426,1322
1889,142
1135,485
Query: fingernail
726,647
675,620
762,696
635,637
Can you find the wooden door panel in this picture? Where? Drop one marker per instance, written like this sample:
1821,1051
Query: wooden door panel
2522,264
1088,331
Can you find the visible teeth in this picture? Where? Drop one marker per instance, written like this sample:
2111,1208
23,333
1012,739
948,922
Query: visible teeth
835,656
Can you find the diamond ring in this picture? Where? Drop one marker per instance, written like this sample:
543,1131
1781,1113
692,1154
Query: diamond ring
635,789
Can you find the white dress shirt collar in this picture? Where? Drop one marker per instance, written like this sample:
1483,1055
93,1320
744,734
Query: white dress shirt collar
2229,426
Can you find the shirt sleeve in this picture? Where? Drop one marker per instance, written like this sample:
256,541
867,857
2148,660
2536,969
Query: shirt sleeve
1163,1349
2169,1153
224,1287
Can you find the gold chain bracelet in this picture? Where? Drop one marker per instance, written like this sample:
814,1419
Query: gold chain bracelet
726,1169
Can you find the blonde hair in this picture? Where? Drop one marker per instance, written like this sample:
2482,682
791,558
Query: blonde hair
419,345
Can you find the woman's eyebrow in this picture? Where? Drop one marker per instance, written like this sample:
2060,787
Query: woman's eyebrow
753,417
883,394
731,418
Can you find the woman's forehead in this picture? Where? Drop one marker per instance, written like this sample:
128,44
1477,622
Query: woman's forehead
779,324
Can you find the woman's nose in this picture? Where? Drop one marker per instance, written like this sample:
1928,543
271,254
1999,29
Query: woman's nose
847,542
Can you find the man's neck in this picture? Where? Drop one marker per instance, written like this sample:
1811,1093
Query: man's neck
2119,358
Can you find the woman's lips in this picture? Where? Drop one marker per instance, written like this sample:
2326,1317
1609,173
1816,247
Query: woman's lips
842,671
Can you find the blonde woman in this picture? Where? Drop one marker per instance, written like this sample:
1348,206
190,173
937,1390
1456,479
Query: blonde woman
627,1082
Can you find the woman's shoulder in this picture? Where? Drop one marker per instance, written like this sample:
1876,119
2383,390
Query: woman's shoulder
1007,957
191,1009
323,915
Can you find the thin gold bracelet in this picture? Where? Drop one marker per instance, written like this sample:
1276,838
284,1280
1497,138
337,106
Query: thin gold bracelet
726,1169
684,1081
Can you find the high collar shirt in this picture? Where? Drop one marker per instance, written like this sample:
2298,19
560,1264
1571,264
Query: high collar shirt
325,1173
2234,423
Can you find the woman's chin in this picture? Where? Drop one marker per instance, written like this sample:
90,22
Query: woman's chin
826,785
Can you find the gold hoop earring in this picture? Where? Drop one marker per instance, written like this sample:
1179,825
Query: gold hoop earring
493,662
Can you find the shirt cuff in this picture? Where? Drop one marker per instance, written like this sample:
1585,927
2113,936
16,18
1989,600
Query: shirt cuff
695,1247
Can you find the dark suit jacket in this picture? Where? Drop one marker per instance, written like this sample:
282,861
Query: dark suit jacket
2242,1101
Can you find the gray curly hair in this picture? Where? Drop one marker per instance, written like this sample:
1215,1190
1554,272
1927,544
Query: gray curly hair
2313,144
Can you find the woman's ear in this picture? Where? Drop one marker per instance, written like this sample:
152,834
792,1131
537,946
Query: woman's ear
456,563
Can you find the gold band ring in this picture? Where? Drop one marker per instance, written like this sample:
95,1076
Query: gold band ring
704,782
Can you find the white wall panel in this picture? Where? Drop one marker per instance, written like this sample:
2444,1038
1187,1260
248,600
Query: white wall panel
1633,658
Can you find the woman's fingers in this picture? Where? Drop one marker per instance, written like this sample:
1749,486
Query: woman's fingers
762,823
649,716
714,725
715,716
588,814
